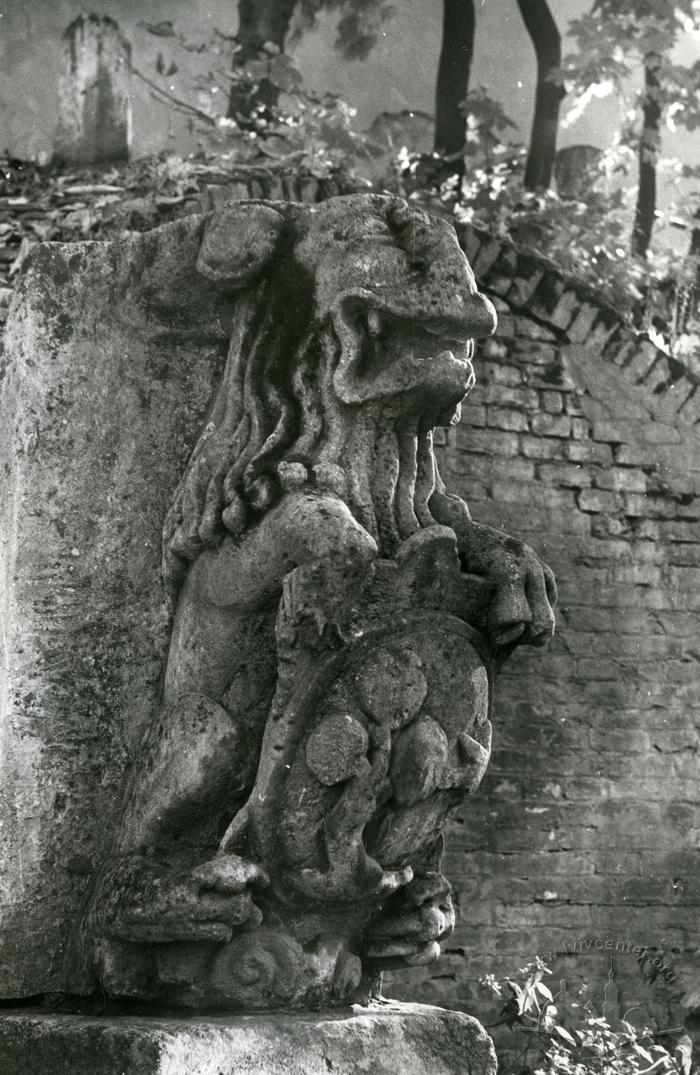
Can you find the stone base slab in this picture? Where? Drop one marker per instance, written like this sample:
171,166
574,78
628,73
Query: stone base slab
382,1039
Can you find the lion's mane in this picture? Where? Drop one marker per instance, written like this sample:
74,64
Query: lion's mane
277,423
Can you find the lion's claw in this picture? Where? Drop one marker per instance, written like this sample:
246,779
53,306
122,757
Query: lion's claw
414,923
230,874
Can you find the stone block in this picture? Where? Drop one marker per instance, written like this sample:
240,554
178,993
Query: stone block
620,431
413,1039
495,348
589,451
546,297
215,195
572,406
94,93
542,448
652,507
667,406
605,328
565,310
622,481
594,500
498,285
553,402
658,378
473,414
633,455
519,470
572,475
644,358
528,329
504,418
112,354
623,350
639,574
506,326
483,440
580,427
518,492
500,305
552,425
582,323
489,253
678,530
470,241
690,410
685,555
534,352
525,399
525,283
502,374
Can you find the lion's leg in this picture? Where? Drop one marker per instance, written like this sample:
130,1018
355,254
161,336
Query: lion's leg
195,765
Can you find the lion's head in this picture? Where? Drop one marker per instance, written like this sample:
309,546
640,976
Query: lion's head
351,341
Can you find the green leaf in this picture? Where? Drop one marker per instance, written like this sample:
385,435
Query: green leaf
284,74
564,1033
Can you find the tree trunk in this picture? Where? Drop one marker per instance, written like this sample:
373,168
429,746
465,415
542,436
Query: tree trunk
546,40
259,21
694,253
648,153
458,23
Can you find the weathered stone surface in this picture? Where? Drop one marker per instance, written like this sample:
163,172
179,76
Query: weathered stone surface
412,1039
94,93
576,169
109,363
338,618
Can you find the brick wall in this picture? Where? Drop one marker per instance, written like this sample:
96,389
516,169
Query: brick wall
582,438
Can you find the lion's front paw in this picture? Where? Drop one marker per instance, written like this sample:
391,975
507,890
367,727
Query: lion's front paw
413,924
521,609
154,904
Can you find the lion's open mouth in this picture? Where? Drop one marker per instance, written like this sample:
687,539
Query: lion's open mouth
417,353
460,356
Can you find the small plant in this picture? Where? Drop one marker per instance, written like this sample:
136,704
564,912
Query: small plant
260,111
561,1034
585,238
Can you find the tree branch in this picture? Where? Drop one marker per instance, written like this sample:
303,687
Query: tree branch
183,106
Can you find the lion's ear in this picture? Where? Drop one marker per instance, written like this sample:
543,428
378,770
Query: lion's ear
239,240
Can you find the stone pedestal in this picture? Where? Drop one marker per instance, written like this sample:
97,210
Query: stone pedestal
101,398
412,1039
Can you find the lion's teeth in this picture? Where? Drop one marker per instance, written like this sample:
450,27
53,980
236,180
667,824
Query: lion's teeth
374,322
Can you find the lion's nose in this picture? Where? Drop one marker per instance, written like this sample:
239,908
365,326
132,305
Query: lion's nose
480,315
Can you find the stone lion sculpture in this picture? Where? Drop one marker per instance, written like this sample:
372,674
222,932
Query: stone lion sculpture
326,699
